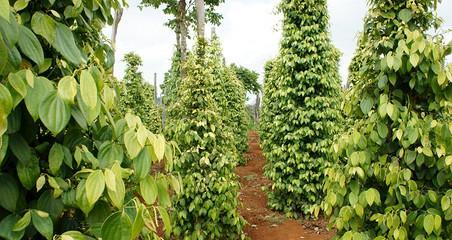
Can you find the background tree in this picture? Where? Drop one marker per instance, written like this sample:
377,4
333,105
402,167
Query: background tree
137,95
207,209
69,167
249,80
183,17
307,98
393,174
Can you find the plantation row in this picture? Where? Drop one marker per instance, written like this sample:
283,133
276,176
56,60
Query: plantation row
83,154
379,164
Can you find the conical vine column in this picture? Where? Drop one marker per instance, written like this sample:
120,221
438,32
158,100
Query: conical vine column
393,176
306,116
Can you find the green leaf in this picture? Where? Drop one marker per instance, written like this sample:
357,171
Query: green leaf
166,220
56,157
20,148
142,164
73,235
30,45
3,54
133,146
117,197
163,194
445,203
405,15
6,100
54,113
110,180
6,228
382,130
81,199
21,4
149,190
23,222
366,105
67,89
95,185
88,89
117,227
4,142
159,146
65,44
45,26
429,223
42,222
18,83
28,172
36,94
109,153
4,9
414,59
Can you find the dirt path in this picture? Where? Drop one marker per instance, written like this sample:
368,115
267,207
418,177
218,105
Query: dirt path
264,224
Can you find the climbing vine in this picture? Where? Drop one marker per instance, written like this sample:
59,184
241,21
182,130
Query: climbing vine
393,174
137,95
69,169
303,108
207,209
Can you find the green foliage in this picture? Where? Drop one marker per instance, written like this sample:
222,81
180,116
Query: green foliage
301,102
207,209
393,174
137,95
68,169
247,77
229,94
172,80
171,7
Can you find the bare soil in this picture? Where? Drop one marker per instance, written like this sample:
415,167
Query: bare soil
263,223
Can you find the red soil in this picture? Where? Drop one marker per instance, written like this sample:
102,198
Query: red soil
264,224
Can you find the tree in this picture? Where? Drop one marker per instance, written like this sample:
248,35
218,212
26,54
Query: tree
392,176
70,168
137,95
306,108
207,209
184,17
249,80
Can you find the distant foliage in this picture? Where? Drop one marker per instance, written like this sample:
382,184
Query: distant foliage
393,175
69,168
207,209
172,80
229,93
301,102
137,95
247,77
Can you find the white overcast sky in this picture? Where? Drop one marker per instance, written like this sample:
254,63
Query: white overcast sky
249,33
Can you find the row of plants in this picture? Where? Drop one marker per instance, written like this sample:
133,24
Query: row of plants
71,166
138,96
388,174
207,209
301,113
392,171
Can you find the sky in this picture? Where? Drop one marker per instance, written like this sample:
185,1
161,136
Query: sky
249,32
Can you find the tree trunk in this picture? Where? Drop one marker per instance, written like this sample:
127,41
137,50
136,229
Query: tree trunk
201,18
114,32
155,88
257,107
182,25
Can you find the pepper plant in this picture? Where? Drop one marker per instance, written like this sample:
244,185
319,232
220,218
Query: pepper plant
207,209
304,108
69,169
137,95
393,174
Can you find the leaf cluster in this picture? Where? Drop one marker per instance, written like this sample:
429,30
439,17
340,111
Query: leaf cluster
69,169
